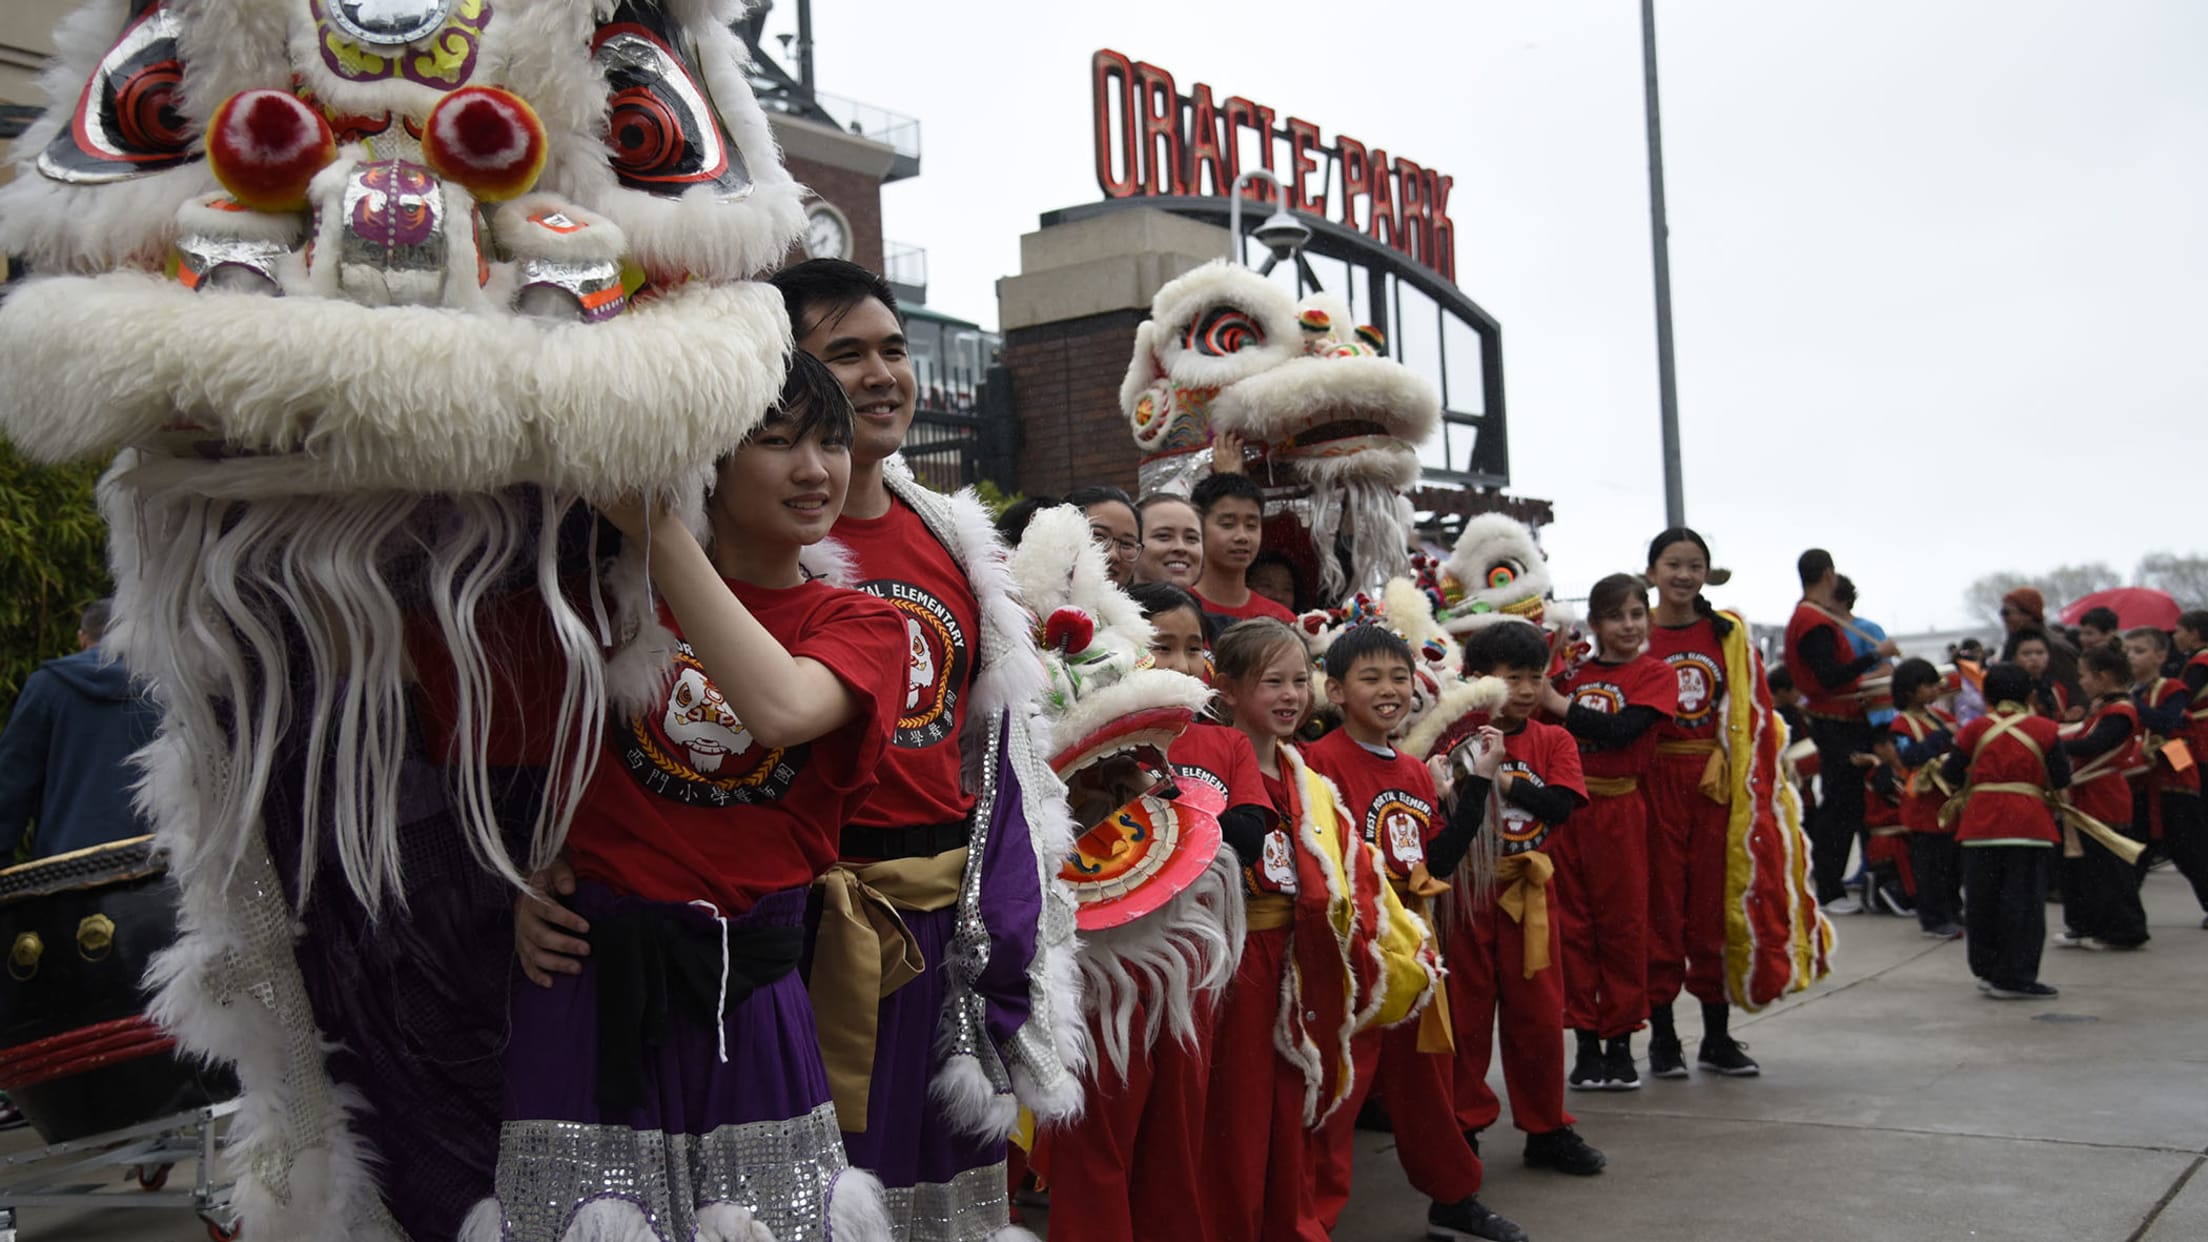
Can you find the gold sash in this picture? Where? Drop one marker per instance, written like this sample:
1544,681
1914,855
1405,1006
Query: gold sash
1611,786
862,953
1526,900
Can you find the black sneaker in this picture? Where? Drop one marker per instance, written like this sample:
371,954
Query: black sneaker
1666,1058
1470,1218
2021,991
1590,1069
1728,1056
1564,1151
1619,1058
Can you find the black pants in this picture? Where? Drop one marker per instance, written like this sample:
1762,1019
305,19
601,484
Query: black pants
1839,819
1939,879
2005,887
2103,901
2185,840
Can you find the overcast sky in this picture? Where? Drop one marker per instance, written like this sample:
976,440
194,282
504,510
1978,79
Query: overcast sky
1938,266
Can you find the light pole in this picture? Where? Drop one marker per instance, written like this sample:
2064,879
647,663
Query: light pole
1675,502
1282,233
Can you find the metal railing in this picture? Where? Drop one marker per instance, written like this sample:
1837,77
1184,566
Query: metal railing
905,264
892,129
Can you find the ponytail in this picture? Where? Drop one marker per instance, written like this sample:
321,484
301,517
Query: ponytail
1719,625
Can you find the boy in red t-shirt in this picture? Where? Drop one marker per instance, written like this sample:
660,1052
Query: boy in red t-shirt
2012,763
2100,901
1232,508
1500,940
1389,797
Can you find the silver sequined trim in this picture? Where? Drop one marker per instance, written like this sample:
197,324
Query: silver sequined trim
780,1170
968,1208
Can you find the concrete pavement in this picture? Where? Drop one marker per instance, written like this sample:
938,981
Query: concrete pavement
1896,1105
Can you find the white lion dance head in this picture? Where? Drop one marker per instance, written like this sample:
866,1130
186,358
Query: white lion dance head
1335,423
364,298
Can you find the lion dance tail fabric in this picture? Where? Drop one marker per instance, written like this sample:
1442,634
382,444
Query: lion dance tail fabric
1777,940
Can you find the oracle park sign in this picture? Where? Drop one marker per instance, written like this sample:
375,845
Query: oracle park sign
1152,141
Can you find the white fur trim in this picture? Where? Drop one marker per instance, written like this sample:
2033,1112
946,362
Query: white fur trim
1339,888
856,1212
415,398
1138,691
1142,367
598,240
1458,699
970,1102
1310,390
1168,961
199,217
1013,1233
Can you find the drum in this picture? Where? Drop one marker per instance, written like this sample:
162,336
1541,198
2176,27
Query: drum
77,1053
1877,692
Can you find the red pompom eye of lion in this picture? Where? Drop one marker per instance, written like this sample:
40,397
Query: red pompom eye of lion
265,146
487,140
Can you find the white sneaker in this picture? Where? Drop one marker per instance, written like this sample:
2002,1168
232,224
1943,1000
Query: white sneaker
2069,940
1843,905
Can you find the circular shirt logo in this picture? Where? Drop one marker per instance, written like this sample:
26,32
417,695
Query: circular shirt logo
1700,684
1519,828
1397,822
935,664
1599,696
696,752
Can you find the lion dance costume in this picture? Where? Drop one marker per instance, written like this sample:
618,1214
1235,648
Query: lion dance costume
367,299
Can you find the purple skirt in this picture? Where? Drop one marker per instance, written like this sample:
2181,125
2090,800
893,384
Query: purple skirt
756,1130
938,1182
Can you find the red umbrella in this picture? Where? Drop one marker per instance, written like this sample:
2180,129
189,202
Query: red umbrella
2132,605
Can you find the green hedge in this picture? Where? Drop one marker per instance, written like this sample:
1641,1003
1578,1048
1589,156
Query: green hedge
53,561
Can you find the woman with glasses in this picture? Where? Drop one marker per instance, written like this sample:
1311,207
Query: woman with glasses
1115,525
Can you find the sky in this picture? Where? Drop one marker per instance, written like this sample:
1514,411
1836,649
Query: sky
1937,265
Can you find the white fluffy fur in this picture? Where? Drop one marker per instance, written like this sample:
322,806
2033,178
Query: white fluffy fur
1185,299
1139,690
198,217
1142,367
1310,390
1168,961
855,1209
411,397
1304,1052
598,240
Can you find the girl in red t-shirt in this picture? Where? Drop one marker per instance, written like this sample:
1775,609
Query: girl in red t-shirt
1612,705
667,1076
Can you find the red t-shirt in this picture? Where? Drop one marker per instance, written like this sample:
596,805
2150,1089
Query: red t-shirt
900,560
1544,755
1391,799
1219,757
1275,870
1698,658
1258,606
684,804
2103,793
1996,815
1643,681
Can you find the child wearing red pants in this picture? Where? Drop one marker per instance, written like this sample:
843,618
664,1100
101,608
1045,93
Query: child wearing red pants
1611,705
1328,951
1690,804
1501,943
1389,797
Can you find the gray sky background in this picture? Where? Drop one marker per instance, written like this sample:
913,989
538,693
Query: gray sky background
1937,265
